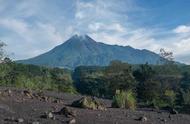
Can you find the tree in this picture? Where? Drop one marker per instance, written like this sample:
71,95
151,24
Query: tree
168,65
145,72
170,97
149,90
185,81
7,60
2,54
119,76
166,57
185,89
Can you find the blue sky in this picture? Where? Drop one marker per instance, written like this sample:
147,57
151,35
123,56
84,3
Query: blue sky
32,27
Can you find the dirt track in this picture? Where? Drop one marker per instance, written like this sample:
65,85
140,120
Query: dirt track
15,104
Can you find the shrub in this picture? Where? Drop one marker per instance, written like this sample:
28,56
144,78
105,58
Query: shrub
170,97
89,103
186,97
124,99
157,103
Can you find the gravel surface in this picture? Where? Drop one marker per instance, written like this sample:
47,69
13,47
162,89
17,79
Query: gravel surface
30,107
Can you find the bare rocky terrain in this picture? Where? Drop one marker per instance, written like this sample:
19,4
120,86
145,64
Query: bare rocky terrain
32,107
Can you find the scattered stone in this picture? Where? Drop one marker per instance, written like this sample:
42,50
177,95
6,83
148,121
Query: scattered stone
173,111
20,120
164,120
116,123
55,108
41,93
170,117
88,103
73,121
67,112
35,122
44,98
11,119
28,93
58,101
48,115
8,92
34,109
54,118
143,119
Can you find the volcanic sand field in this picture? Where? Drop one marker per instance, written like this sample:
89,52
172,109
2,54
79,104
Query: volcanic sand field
32,107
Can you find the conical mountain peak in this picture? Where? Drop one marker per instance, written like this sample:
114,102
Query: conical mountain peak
83,50
80,38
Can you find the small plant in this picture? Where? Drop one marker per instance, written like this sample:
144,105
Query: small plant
124,99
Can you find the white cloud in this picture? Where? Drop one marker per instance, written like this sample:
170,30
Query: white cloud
182,29
115,27
18,26
36,38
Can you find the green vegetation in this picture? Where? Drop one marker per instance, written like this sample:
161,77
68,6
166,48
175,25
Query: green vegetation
146,85
89,103
35,77
104,81
159,86
124,99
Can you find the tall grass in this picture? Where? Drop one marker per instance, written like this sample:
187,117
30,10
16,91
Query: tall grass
124,99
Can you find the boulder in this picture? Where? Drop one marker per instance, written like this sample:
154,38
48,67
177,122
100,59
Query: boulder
48,115
28,93
67,112
143,119
73,121
20,120
88,103
173,111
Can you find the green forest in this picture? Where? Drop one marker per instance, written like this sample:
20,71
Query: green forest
158,86
35,77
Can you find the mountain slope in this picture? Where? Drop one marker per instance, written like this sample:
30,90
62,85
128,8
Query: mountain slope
83,50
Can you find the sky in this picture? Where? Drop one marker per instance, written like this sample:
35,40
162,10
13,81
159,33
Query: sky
32,27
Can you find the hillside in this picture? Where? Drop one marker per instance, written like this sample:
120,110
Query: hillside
83,50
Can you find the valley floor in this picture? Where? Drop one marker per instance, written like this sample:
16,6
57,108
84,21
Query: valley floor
29,107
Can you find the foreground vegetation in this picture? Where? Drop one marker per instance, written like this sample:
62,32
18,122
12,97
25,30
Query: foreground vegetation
158,86
35,77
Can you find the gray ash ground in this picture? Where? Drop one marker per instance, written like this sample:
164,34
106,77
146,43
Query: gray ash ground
30,107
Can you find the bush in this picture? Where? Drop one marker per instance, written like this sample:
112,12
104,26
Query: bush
89,103
157,103
186,97
124,99
170,97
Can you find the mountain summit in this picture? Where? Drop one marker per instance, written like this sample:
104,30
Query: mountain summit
83,50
